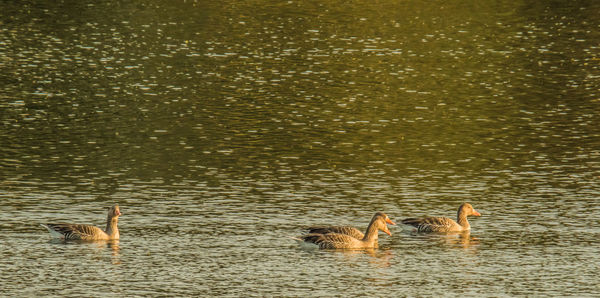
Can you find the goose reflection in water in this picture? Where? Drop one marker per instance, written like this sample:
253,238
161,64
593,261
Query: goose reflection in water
378,257
98,245
462,240
113,245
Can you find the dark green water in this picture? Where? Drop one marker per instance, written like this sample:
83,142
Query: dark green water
223,128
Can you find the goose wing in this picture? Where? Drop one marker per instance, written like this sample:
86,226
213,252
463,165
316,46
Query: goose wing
344,230
332,241
74,231
431,224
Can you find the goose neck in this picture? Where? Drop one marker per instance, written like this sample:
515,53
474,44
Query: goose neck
462,220
111,226
372,232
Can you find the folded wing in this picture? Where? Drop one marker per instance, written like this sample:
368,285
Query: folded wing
74,231
431,224
344,230
332,241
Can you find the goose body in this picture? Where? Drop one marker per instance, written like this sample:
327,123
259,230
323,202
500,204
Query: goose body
444,224
68,231
344,230
343,237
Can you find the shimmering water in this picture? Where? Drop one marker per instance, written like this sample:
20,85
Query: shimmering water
223,128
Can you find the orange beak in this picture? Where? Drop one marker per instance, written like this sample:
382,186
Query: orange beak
387,231
389,221
476,213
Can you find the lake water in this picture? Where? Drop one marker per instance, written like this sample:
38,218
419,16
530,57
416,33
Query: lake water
223,128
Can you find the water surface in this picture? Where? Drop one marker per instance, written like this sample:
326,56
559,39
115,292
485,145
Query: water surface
223,128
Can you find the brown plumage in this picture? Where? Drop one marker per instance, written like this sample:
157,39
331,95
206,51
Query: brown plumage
333,237
444,224
87,232
345,230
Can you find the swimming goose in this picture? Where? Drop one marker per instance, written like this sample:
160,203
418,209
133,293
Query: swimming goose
444,224
87,232
336,240
346,230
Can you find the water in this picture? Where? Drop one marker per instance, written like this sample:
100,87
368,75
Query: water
223,128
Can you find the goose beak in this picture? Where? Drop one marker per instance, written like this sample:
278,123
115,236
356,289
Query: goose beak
476,213
390,221
387,232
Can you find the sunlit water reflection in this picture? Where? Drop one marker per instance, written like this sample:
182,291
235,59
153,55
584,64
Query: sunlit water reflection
223,129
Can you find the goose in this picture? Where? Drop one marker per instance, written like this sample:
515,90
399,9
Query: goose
443,224
87,232
346,230
333,237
